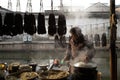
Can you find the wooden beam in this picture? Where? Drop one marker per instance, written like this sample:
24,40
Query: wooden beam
113,28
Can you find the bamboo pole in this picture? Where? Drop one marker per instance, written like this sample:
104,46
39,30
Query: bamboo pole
113,28
52,5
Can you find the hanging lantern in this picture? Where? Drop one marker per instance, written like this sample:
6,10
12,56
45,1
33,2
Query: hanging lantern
62,25
41,24
52,25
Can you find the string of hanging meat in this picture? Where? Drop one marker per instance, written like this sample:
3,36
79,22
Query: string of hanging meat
1,25
51,25
41,24
29,24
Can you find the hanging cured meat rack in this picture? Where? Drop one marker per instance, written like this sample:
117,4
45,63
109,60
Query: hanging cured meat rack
25,23
52,22
41,29
29,22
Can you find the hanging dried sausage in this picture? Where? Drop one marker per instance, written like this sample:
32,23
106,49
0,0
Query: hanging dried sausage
29,24
1,25
32,24
41,24
18,23
26,20
104,39
61,25
52,25
8,24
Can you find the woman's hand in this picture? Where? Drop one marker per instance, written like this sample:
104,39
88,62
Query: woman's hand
71,42
62,61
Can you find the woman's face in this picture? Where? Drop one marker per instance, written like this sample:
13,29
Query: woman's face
74,37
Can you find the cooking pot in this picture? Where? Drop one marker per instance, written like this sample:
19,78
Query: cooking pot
13,67
33,66
43,67
86,71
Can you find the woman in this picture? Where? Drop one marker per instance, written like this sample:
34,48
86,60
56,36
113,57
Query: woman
79,50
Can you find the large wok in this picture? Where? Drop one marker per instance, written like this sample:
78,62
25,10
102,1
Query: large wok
54,75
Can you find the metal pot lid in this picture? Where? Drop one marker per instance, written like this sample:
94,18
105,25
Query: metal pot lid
42,65
85,65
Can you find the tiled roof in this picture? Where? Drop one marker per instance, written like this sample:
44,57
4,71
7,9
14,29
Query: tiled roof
98,7
118,9
4,10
